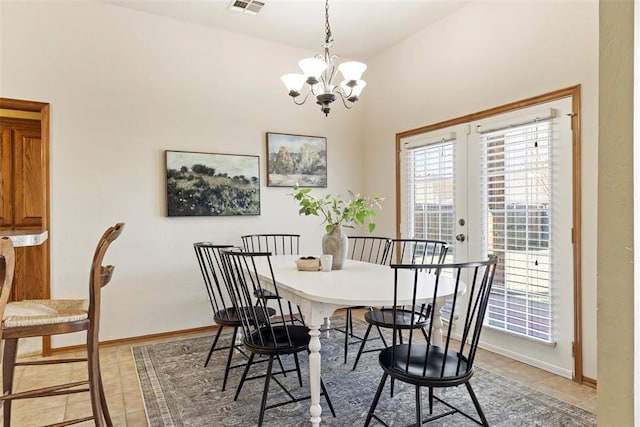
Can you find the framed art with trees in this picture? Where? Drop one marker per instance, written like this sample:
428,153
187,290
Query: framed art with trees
297,159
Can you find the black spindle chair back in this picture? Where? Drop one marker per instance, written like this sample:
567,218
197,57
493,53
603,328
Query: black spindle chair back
417,251
277,244
210,263
369,249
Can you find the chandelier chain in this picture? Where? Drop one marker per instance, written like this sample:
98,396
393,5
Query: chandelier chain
327,26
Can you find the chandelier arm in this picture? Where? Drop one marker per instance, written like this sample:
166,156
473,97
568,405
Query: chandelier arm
344,100
303,101
344,94
332,76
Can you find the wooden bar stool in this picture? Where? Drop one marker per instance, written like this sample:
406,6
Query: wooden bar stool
34,318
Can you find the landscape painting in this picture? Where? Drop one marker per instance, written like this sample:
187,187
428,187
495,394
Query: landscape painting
296,158
205,184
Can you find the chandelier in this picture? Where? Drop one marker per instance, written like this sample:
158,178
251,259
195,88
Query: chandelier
319,74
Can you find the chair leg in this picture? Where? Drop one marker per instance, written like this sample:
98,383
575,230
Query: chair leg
103,402
229,357
265,391
94,379
364,341
476,404
430,400
384,342
213,345
295,357
293,319
351,323
426,336
284,374
8,366
418,406
244,375
346,333
376,398
327,398
301,317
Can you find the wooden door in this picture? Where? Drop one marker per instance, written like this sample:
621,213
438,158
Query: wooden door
23,196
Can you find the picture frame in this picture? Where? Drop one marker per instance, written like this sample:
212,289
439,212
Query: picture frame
298,159
212,184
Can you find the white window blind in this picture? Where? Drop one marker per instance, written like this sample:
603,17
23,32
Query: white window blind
517,215
429,189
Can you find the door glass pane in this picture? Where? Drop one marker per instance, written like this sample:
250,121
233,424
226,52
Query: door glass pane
429,192
516,177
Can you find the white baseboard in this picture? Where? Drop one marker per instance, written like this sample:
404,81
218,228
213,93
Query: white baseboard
529,361
524,359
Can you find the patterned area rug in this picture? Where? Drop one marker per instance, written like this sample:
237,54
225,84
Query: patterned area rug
179,391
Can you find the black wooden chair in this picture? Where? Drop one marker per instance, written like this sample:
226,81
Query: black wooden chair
276,244
423,363
368,249
277,337
404,251
224,314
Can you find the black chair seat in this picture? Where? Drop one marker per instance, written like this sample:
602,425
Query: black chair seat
229,316
423,365
405,319
278,340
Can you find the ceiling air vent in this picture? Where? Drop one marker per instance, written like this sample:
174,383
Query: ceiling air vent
250,7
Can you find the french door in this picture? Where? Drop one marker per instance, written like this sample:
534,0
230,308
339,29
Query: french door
503,185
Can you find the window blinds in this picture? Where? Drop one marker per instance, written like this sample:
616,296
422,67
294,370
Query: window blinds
429,189
517,214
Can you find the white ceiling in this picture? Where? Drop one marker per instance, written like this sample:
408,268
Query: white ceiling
360,28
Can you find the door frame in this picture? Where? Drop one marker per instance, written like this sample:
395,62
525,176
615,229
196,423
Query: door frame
574,93
43,109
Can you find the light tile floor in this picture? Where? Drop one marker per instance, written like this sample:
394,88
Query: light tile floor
127,408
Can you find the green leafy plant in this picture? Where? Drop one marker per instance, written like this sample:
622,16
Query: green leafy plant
337,211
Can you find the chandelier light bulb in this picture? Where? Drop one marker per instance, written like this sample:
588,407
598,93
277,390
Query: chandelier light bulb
293,82
352,70
313,67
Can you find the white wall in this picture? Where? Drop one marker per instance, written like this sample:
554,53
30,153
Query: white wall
124,86
482,56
